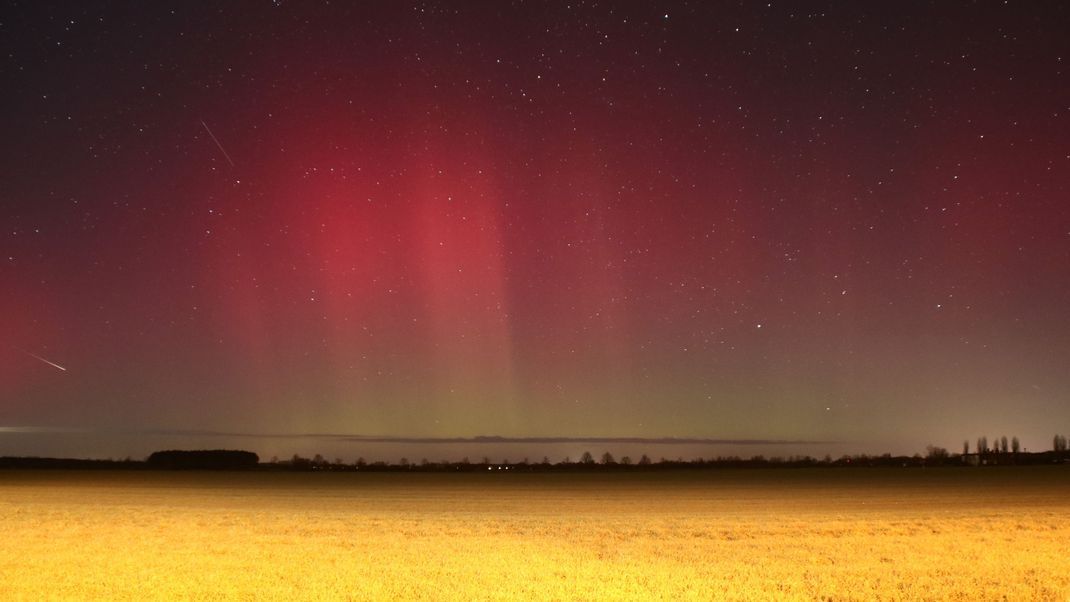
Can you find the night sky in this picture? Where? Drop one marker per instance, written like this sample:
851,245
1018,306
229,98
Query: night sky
846,224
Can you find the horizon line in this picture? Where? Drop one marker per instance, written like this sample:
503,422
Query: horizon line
475,439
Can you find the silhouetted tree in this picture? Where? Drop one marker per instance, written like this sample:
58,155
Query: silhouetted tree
982,445
586,458
966,447
644,460
546,460
933,452
625,460
1003,447
607,458
1016,446
211,459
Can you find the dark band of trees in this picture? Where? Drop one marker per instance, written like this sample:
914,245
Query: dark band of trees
1004,453
212,459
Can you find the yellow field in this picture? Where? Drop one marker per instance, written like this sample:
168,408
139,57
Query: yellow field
865,534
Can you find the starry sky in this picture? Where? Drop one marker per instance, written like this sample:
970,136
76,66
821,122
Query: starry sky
832,224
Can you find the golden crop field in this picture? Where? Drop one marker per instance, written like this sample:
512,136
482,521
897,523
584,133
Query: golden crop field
807,534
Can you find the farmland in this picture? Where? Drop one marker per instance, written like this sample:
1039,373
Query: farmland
956,533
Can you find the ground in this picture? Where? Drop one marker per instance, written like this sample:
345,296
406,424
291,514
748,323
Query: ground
866,534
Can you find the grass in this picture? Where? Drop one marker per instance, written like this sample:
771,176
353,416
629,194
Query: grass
855,534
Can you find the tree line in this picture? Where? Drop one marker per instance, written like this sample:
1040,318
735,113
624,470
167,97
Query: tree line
934,456
1002,451
1000,446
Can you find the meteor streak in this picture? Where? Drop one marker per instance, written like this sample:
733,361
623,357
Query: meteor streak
216,140
53,364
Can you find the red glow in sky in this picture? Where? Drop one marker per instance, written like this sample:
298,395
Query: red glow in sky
840,222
